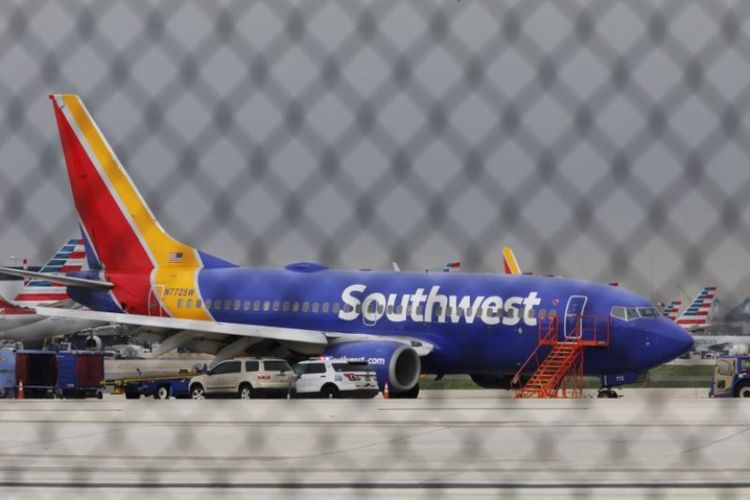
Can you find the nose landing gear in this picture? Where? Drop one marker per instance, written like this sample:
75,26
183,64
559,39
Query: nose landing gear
607,393
610,381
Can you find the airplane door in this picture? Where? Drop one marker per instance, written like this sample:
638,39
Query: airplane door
372,313
574,316
154,300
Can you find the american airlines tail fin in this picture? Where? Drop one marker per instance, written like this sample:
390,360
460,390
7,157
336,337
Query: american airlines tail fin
70,257
509,262
451,266
671,310
696,316
120,230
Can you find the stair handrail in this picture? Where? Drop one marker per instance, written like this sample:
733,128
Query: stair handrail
551,330
593,331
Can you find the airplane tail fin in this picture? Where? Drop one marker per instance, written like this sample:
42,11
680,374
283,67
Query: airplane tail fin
671,310
451,266
119,229
70,257
509,262
696,315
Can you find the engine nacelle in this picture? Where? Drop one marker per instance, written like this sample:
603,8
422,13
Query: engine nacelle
395,363
493,380
93,343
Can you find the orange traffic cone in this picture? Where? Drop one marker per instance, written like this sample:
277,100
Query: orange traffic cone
20,394
386,392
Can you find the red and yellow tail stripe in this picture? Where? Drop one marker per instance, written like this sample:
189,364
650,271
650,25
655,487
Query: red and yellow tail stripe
127,237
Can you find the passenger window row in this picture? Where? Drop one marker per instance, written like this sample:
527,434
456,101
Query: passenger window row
265,306
189,304
491,312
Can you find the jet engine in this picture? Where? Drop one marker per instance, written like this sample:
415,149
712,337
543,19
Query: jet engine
395,363
93,343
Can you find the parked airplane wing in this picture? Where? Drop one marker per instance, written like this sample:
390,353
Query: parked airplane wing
195,325
183,330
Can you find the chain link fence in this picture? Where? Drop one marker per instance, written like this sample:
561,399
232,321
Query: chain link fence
604,140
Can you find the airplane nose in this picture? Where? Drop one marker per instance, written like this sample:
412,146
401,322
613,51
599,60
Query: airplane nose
672,341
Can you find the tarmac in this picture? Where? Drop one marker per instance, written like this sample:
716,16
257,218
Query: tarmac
443,445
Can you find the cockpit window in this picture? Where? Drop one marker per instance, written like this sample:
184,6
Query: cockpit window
631,313
648,312
619,313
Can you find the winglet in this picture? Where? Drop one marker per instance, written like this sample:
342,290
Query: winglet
509,262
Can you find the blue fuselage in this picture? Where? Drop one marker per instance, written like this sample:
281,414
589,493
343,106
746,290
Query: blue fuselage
495,331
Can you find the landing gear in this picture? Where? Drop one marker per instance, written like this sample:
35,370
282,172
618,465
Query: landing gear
607,393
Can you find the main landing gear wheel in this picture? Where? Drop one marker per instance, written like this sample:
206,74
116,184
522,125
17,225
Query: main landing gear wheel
607,393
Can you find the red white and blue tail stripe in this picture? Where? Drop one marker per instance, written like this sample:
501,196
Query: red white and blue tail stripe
697,314
71,257
451,266
671,310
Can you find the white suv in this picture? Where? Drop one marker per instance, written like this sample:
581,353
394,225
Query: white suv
335,378
246,378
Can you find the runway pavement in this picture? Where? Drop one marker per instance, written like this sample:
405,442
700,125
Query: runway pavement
436,447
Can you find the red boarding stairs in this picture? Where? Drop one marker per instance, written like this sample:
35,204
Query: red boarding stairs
564,362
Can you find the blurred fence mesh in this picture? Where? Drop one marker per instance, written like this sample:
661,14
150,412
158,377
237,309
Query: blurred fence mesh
604,140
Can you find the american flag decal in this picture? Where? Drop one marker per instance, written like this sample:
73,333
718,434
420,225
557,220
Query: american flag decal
174,257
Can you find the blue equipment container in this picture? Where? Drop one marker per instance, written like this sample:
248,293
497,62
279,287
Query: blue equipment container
80,374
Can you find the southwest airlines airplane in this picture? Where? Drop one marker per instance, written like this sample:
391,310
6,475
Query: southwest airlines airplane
401,322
